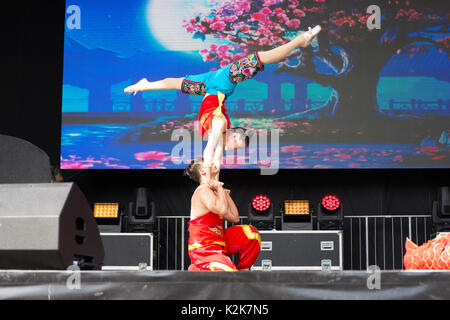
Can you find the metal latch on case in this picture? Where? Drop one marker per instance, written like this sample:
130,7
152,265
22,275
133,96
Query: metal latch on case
326,245
266,265
266,245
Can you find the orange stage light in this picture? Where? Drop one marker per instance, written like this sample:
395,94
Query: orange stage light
106,210
296,207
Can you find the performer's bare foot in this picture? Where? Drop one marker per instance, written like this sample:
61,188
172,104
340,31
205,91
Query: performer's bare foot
309,35
137,87
277,54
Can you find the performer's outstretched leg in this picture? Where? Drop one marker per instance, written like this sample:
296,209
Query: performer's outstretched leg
271,56
165,84
278,54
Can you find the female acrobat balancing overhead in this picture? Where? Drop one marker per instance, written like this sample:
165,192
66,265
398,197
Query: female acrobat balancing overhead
216,87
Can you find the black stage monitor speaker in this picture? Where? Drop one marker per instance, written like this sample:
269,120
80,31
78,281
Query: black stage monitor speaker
22,162
47,226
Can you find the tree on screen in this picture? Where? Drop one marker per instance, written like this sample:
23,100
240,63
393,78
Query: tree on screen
349,56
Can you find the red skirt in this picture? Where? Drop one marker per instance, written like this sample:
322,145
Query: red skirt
205,117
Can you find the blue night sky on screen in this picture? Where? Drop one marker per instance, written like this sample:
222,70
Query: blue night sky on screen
121,28
126,27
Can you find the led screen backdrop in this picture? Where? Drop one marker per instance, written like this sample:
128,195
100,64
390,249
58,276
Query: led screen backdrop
372,92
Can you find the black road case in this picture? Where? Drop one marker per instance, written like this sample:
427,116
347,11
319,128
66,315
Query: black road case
128,251
300,250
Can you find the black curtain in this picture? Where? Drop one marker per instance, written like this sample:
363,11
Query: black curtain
387,192
32,36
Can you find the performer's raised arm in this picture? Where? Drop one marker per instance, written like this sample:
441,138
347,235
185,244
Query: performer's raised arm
213,153
218,158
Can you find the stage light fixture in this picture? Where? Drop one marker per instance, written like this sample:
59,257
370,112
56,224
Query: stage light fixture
441,211
108,216
330,214
141,213
330,203
260,212
296,215
296,207
261,203
106,210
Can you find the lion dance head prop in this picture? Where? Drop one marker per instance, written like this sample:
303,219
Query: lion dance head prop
433,255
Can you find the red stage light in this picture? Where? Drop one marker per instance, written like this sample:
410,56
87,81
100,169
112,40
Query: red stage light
261,203
331,202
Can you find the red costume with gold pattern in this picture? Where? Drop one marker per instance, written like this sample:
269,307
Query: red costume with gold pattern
210,247
435,254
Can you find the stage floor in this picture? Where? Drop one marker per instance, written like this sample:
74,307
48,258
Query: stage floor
254,285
